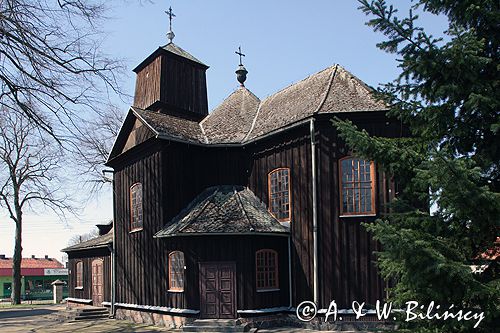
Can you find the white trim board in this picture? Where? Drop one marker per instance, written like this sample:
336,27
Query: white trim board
156,308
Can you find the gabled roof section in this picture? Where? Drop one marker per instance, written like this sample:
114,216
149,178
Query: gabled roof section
175,49
226,209
169,48
94,243
171,127
232,119
156,124
242,118
349,94
132,132
332,90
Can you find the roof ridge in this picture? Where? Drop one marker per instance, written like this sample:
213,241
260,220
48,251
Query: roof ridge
327,91
251,92
243,207
203,132
135,111
85,244
254,121
270,97
183,53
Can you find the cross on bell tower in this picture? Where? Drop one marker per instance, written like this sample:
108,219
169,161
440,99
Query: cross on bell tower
170,33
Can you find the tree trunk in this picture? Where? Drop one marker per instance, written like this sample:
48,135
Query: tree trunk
16,262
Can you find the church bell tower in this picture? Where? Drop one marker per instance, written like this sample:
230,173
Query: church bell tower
172,81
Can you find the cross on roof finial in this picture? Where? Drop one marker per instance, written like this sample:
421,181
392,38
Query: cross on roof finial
241,72
240,54
170,33
171,15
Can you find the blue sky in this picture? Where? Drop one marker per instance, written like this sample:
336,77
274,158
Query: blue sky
284,41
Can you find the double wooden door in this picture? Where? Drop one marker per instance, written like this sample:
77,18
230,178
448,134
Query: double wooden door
218,290
97,282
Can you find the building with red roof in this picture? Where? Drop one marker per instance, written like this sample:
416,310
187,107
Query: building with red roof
37,274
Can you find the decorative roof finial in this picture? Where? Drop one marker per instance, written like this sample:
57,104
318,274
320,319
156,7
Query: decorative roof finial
241,71
170,33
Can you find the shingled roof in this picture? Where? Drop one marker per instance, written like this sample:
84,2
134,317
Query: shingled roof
232,119
171,127
225,210
332,90
169,48
175,49
242,118
94,243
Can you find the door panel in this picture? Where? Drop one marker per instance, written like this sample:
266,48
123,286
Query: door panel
218,290
210,292
97,282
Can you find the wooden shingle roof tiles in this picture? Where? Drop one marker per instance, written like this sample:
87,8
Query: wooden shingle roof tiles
225,209
242,117
94,243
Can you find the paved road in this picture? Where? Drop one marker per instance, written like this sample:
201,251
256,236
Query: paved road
41,319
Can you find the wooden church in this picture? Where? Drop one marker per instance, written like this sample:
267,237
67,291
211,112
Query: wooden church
244,211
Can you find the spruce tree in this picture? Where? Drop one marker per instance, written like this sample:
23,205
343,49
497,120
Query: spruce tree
447,210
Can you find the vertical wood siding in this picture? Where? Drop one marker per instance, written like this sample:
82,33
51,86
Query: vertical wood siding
183,85
173,174
136,251
237,249
147,85
87,257
174,82
346,259
291,150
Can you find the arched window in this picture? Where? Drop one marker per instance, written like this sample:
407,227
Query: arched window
357,186
279,194
176,271
79,274
136,207
266,269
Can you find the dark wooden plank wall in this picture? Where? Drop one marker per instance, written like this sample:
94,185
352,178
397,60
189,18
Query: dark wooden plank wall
87,257
138,134
346,250
239,249
192,169
147,85
292,150
137,266
346,261
183,85
172,175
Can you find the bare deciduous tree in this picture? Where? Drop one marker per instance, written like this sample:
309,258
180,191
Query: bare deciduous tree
77,239
30,178
51,61
95,141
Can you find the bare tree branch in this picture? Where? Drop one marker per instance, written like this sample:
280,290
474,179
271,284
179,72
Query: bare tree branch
51,61
30,177
95,141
